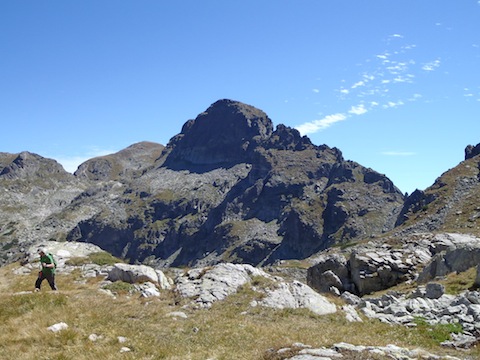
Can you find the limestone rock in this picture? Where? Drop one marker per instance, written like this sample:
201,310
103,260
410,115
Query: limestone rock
132,273
297,295
58,327
460,253
208,285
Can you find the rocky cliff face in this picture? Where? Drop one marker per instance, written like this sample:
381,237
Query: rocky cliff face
451,203
229,187
223,135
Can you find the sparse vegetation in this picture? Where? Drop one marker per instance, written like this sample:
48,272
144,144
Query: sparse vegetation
230,329
120,288
438,332
458,282
99,258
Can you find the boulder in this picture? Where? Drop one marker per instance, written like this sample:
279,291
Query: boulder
459,253
434,290
132,274
378,270
296,295
208,285
330,270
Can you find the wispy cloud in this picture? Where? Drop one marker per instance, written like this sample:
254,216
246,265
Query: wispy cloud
317,125
358,110
383,83
431,66
393,104
358,84
324,123
398,153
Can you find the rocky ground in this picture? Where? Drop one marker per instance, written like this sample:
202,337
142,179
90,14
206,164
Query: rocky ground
202,287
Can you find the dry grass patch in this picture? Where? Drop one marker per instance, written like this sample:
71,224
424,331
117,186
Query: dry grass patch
229,329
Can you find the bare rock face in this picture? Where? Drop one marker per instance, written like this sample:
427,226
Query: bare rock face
377,266
204,286
26,165
472,151
220,136
458,253
227,188
125,164
230,188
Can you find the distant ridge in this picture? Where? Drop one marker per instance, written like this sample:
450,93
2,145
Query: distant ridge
228,187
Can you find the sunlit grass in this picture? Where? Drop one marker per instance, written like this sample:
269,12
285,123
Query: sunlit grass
231,329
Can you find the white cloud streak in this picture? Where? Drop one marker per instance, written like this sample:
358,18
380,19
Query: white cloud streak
390,73
393,104
324,123
358,110
431,66
321,124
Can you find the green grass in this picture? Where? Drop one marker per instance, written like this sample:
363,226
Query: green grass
438,332
229,329
99,258
457,282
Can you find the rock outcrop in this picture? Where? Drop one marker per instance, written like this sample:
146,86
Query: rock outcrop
204,286
378,266
430,305
230,188
348,351
472,151
124,165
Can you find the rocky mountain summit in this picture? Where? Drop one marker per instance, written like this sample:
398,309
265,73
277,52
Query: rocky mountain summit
227,188
245,205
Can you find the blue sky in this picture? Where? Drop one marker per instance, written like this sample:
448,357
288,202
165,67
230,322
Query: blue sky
394,84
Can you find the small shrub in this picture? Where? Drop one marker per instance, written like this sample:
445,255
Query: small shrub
120,288
438,332
103,258
99,258
455,283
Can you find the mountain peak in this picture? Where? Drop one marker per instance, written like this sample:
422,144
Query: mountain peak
471,151
221,135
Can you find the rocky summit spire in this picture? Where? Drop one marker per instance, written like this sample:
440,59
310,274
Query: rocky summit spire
220,136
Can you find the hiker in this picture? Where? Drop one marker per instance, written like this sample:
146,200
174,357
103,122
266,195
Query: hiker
48,270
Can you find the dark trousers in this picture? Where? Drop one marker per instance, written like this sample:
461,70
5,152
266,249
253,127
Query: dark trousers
50,278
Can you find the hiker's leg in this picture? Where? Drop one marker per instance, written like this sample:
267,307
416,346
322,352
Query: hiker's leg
38,283
51,281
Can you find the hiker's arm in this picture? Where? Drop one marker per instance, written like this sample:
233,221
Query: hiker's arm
48,265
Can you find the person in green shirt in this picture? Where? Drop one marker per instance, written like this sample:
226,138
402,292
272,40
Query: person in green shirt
48,270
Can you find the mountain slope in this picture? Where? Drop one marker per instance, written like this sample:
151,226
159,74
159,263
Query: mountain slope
228,187
451,204
125,164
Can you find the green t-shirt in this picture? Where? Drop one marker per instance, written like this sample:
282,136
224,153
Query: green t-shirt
47,259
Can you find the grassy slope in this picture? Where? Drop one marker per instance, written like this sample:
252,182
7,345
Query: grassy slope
231,329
